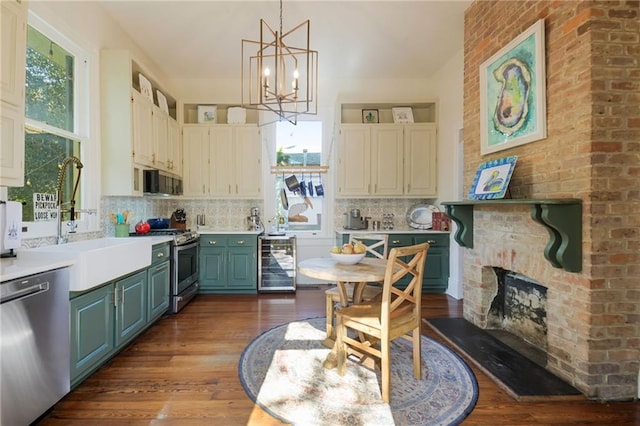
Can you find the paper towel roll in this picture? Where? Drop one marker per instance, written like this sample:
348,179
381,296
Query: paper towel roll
12,232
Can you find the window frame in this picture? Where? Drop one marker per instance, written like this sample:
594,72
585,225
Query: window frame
270,148
85,123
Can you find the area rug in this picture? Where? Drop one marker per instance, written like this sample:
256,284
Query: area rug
281,371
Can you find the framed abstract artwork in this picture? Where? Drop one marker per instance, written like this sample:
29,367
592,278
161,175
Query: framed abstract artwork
513,93
492,179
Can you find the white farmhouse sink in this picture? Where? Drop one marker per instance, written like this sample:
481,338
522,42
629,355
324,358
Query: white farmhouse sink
98,261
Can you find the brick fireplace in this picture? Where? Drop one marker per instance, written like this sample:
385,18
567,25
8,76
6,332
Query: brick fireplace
591,153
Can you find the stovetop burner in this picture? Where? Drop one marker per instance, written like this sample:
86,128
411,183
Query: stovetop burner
180,236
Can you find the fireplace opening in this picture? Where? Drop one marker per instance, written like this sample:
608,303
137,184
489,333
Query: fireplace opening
518,315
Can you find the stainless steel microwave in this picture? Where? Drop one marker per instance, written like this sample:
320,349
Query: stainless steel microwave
157,182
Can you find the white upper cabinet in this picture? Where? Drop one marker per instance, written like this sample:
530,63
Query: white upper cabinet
14,48
136,134
380,158
12,80
222,161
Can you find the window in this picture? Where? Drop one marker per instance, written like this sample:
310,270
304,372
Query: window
300,145
55,127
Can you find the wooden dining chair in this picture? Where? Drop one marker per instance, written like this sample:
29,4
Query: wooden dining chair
395,314
377,246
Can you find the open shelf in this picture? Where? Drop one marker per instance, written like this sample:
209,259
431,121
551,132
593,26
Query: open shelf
561,217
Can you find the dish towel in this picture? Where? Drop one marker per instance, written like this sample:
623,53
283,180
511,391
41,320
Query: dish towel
12,232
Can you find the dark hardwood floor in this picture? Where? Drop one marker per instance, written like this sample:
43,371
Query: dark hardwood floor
183,371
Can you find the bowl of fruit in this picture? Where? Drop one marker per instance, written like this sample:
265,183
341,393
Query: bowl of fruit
348,254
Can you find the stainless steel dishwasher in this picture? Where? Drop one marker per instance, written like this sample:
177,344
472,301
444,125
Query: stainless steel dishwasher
34,343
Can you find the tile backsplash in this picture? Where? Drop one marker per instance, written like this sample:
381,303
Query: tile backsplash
225,215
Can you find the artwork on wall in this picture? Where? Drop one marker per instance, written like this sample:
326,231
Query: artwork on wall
513,93
370,116
162,101
207,114
492,179
145,87
402,114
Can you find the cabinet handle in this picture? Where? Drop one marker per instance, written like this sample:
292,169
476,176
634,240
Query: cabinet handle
160,255
395,242
115,297
122,302
240,242
212,243
431,241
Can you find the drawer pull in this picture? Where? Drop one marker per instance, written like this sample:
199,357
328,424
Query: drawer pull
212,243
160,255
395,242
241,242
430,242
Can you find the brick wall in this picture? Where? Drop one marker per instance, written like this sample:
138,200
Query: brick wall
592,152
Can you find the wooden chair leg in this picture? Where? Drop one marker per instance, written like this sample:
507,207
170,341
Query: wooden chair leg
341,348
417,354
385,358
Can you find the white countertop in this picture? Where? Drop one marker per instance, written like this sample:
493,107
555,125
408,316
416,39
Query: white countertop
206,230
22,266
16,267
403,230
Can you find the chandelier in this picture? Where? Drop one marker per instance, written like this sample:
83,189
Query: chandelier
280,71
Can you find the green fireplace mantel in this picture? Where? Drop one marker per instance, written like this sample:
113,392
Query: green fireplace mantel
561,217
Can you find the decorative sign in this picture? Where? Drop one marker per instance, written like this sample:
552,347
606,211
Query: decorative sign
45,207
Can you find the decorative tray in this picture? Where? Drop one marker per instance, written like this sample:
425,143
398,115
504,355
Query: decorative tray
419,216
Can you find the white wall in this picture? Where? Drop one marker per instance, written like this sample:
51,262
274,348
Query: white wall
449,85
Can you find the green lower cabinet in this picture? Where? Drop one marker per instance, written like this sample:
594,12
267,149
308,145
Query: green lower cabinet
158,281
105,319
436,272
228,264
92,336
131,306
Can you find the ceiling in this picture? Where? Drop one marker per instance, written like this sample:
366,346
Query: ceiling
355,39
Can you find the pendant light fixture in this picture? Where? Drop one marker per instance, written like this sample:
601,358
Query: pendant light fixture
280,72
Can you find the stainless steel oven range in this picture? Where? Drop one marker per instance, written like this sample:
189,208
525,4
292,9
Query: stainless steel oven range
184,283
184,270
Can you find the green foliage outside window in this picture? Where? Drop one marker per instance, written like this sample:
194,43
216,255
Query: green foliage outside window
49,99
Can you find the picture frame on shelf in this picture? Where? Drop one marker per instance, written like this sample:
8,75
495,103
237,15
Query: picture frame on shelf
370,116
402,114
492,179
145,87
513,93
162,101
207,114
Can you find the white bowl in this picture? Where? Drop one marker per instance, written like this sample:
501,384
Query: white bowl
347,259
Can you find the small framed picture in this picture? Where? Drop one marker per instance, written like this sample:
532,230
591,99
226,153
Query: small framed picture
402,115
207,113
370,116
492,179
145,87
162,101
